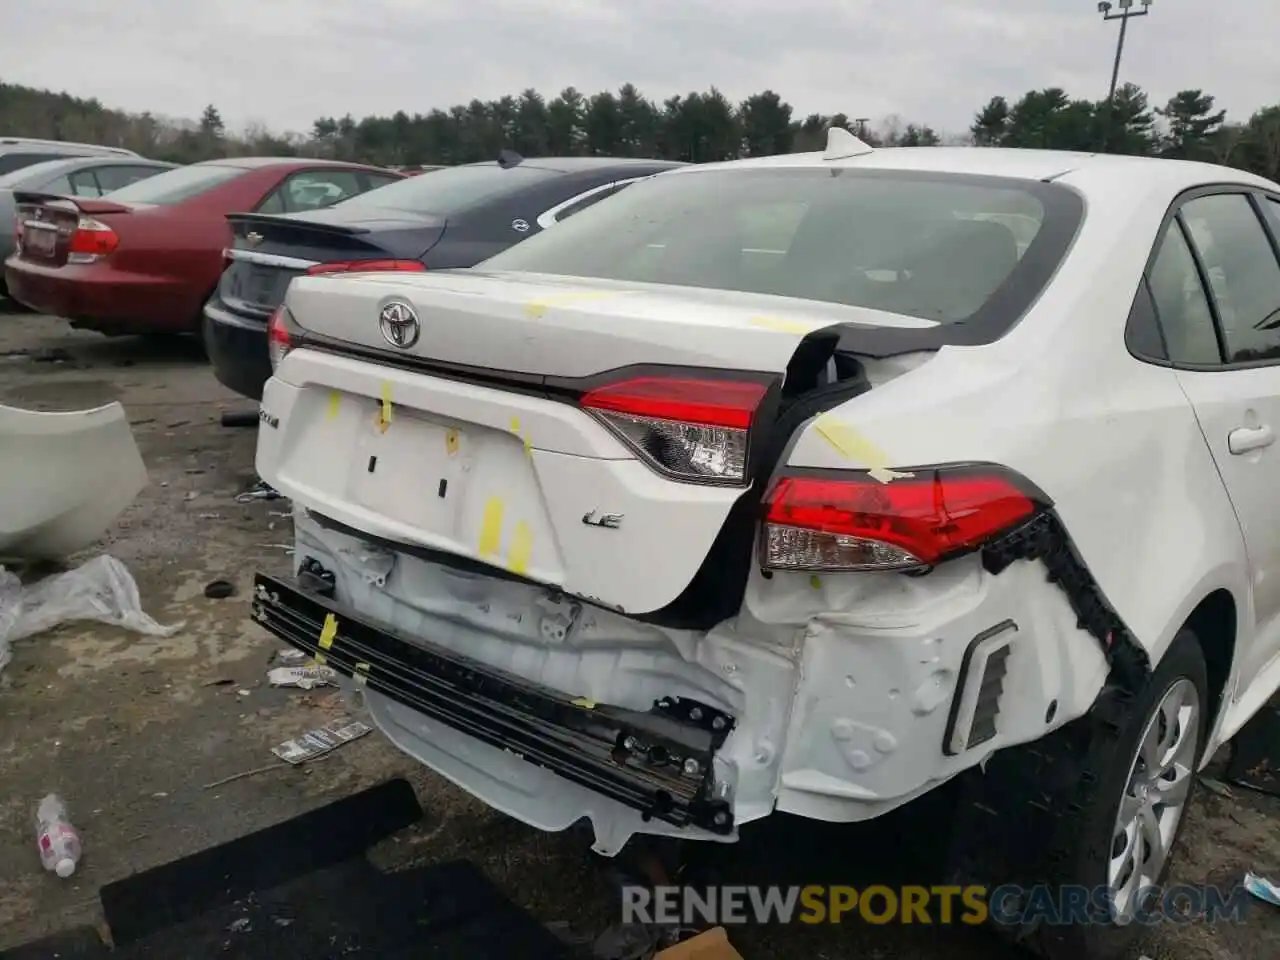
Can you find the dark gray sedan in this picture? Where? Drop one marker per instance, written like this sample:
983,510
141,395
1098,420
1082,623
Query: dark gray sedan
71,177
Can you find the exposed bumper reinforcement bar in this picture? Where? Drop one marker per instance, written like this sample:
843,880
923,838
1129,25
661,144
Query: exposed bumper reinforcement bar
660,762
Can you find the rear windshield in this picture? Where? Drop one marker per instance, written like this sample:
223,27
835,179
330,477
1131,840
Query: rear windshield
936,247
175,186
449,191
10,162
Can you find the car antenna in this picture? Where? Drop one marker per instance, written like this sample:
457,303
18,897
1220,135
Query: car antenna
842,144
508,159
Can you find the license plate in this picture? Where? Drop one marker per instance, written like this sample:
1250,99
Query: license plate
255,284
39,239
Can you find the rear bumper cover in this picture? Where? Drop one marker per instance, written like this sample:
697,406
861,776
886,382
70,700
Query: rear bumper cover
237,349
658,763
97,297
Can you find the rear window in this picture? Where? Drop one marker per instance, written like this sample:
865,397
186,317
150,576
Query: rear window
32,173
451,190
938,247
175,186
10,162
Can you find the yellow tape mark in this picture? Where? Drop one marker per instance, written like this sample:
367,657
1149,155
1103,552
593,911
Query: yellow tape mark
452,440
521,548
515,428
328,631
491,527
815,581
584,703
384,415
335,401
781,325
852,445
538,308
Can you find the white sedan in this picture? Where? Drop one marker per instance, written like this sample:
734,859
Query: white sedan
809,483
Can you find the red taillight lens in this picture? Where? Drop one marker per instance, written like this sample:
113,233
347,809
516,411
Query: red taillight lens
368,266
91,241
279,340
693,429
855,522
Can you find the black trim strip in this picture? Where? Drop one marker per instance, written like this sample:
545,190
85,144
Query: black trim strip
637,759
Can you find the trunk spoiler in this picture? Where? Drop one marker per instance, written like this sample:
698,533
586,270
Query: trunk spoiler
287,222
87,205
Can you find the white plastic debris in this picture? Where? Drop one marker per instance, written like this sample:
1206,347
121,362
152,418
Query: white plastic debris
1262,888
101,589
305,678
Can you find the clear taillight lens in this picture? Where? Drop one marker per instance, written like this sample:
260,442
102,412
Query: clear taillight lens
691,429
851,521
279,340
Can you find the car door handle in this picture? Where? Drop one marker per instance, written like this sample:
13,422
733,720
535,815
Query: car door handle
1243,439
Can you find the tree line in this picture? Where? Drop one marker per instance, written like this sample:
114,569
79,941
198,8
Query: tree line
695,127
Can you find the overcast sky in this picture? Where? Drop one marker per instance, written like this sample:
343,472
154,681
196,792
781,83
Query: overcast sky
286,62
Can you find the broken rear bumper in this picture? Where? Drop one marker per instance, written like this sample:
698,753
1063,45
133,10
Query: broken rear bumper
659,763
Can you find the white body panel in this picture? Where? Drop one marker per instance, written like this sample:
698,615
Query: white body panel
65,478
841,684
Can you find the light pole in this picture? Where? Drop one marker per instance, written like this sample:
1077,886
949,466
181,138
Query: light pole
1121,10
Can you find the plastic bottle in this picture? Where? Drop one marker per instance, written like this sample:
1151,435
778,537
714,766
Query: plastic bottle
59,843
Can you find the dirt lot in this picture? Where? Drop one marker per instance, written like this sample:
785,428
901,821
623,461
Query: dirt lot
131,730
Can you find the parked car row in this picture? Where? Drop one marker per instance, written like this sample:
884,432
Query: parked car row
211,248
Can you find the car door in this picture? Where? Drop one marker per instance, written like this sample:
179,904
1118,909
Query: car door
1216,284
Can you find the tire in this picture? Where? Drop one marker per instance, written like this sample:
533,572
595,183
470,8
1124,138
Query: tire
1082,844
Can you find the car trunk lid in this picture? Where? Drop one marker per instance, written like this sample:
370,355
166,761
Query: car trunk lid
46,223
269,250
596,437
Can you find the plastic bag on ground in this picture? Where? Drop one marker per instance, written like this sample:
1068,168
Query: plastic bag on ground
102,590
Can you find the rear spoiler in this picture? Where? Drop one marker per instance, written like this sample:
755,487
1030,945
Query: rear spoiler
83,204
287,221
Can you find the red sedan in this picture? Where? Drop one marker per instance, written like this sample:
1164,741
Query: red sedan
145,258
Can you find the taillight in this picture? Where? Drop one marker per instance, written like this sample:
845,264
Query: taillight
91,241
279,338
368,266
852,521
692,429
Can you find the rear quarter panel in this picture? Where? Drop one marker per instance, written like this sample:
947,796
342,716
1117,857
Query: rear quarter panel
1112,440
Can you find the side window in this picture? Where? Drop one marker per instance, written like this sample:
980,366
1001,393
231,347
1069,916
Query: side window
60,186
1243,273
113,178
274,202
1181,303
84,184
372,181
314,189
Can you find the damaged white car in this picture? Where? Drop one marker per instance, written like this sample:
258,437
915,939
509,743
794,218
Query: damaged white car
810,483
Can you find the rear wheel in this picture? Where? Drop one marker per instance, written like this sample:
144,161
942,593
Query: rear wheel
1122,839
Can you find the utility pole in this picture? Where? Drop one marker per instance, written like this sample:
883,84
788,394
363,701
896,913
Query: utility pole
1122,10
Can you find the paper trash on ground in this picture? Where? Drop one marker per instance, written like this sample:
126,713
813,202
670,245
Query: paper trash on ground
101,589
304,678
322,740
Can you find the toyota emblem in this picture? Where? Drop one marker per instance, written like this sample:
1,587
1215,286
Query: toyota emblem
399,324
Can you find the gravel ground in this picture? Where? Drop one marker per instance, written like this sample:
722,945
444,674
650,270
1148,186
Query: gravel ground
131,730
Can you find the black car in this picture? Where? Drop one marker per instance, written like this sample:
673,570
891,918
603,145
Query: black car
453,217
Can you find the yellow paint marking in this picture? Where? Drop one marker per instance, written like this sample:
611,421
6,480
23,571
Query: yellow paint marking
384,416
319,660
335,401
584,703
515,428
491,527
452,440
852,445
815,581
328,631
538,308
521,548
781,325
